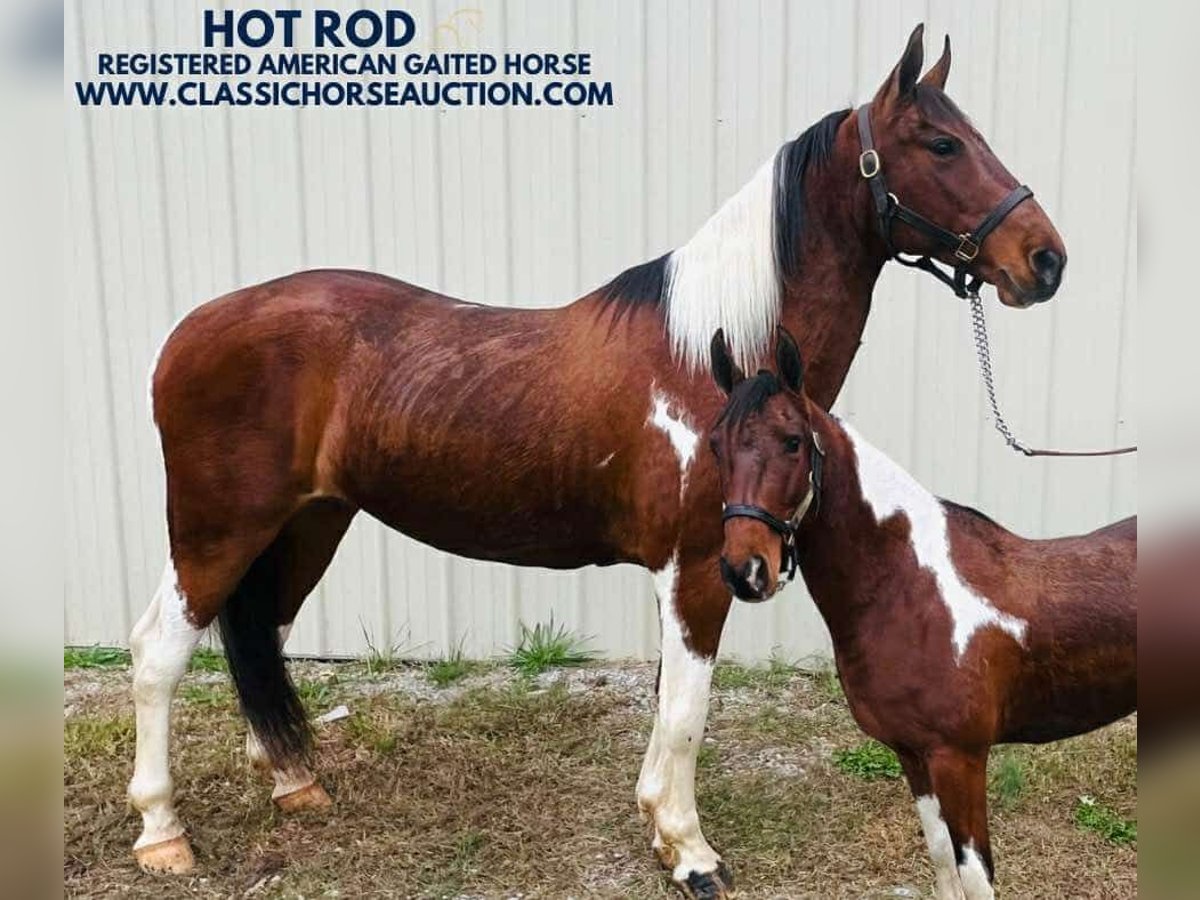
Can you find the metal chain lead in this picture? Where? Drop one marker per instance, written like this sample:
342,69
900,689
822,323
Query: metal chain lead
979,327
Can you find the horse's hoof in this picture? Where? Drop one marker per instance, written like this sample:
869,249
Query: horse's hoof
311,796
715,885
173,857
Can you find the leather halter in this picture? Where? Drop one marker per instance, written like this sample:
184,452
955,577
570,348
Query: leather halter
789,560
888,208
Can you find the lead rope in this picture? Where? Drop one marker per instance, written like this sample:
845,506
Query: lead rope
979,327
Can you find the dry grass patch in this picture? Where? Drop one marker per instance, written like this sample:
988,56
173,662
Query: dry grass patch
500,784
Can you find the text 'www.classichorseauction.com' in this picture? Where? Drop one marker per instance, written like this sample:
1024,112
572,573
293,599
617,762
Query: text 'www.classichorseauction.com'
362,60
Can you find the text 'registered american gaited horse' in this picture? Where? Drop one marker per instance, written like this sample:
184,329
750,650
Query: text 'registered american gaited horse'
560,438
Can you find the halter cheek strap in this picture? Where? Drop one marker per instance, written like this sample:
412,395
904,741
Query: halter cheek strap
786,528
965,246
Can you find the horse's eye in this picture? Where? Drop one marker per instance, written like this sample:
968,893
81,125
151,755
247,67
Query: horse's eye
791,444
943,146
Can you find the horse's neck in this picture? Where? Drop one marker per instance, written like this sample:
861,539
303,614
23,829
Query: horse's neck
826,306
846,546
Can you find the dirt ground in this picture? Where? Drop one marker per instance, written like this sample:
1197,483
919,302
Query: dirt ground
502,786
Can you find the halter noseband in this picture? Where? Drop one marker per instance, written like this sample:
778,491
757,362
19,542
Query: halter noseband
786,528
965,246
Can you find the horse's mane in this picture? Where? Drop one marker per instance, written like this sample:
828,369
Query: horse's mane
731,273
749,397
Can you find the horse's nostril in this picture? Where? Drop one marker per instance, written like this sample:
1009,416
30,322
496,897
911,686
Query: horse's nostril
1047,266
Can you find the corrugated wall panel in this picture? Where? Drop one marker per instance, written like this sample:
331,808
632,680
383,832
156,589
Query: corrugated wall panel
532,207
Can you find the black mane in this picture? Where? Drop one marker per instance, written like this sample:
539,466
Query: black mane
648,283
749,397
791,166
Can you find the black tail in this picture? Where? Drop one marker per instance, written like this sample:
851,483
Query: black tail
268,698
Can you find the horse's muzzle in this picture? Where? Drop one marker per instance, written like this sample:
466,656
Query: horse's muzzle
748,581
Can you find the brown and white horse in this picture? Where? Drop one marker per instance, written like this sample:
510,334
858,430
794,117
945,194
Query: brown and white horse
559,438
950,633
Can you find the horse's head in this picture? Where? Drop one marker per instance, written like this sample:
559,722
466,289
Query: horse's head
935,164
768,459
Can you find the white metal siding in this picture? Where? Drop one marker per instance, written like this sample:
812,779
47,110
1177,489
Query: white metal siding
170,207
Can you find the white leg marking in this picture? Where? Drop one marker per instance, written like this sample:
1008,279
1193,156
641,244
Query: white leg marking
667,785
941,849
889,489
682,436
162,643
975,881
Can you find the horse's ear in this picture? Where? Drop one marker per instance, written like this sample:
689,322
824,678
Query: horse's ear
899,85
724,370
787,360
936,77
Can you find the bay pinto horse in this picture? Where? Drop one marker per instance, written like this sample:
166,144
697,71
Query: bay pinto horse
559,437
950,633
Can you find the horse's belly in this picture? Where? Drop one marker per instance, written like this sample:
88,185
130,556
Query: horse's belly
494,524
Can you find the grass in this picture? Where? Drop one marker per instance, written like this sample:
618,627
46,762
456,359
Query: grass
545,647
869,761
206,659
204,694
777,673
1007,779
94,658
503,786
1091,815
382,658
455,667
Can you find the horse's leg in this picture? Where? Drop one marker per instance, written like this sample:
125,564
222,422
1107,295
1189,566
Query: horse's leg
959,780
937,835
300,554
161,646
692,605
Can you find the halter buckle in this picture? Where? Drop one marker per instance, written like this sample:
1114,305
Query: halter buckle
967,248
869,164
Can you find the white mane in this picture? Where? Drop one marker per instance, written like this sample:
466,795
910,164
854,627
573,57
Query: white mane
725,277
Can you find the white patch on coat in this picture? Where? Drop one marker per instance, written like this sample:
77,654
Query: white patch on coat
161,645
725,277
667,785
973,874
604,462
682,436
941,849
888,489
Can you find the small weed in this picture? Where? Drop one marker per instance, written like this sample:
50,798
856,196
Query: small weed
1096,817
205,659
869,761
316,695
545,647
382,658
455,667
207,695
828,685
372,732
774,675
706,756
1008,780
97,738
94,657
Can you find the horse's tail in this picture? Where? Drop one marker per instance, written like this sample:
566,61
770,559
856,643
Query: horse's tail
250,633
